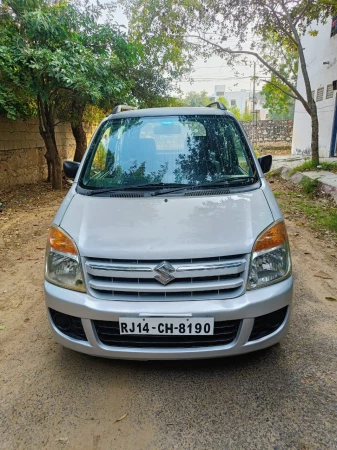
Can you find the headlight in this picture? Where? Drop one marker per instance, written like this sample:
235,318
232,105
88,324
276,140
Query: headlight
270,262
63,264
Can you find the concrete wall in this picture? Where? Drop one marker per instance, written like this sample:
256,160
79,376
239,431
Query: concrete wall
22,150
318,50
270,132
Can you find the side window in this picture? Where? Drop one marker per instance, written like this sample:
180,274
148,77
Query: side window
99,161
240,149
105,162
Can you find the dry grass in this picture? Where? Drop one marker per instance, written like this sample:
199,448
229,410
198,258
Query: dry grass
307,204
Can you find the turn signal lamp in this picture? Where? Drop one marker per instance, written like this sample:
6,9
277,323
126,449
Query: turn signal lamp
272,237
59,241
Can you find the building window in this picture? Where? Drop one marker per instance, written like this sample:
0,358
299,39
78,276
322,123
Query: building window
320,94
329,91
334,26
233,102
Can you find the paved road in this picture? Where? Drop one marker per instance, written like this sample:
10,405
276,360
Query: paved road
53,398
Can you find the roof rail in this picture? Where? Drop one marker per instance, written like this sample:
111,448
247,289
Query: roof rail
219,105
119,108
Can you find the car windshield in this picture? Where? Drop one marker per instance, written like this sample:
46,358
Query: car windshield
173,150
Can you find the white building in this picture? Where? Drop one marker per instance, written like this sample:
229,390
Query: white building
243,99
321,57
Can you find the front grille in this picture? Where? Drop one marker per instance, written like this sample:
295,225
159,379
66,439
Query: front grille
267,324
189,279
224,334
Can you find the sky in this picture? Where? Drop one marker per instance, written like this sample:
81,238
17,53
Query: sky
210,73
215,71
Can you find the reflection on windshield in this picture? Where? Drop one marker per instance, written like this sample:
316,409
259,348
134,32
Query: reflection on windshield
112,174
184,149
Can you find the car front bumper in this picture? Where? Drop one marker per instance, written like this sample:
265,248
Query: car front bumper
251,304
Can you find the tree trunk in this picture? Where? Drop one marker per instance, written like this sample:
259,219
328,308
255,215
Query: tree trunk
78,131
53,159
80,139
314,135
48,180
47,132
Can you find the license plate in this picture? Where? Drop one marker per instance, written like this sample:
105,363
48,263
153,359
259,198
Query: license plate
167,325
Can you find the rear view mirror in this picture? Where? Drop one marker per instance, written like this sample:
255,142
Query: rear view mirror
70,169
265,163
167,128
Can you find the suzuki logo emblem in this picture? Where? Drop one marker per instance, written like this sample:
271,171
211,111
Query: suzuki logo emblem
164,270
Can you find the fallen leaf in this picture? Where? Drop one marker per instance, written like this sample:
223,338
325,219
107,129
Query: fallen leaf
2,327
40,248
64,441
331,299
121,418
18,304
325,277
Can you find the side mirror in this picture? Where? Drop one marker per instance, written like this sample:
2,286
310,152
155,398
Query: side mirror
70,169
265,163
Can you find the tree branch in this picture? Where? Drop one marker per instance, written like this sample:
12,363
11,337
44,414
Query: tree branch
280,89
262,61
39,112
301,14
42,118
302,58
285,31
59,122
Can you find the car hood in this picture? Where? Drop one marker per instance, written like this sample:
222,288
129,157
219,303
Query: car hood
166,228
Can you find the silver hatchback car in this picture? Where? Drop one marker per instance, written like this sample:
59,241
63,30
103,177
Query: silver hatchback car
170,243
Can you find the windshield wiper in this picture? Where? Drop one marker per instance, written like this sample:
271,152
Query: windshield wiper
177,186
226,181
222,182
136,186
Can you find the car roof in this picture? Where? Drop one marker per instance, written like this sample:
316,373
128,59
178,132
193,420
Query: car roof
170,111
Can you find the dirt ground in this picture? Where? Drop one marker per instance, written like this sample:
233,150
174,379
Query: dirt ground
53,398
